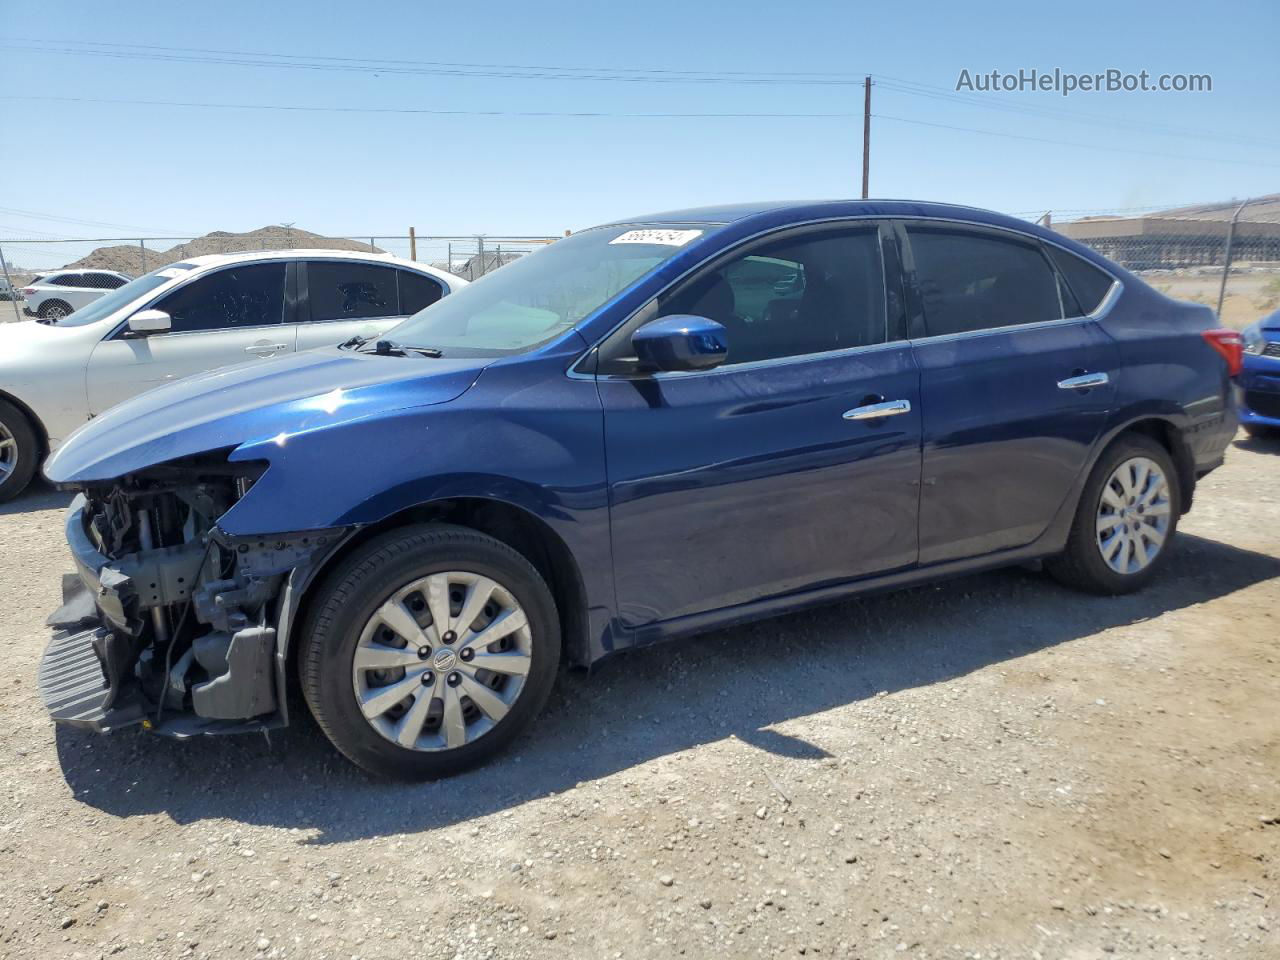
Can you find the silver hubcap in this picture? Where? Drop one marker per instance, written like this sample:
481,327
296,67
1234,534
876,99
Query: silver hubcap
442,661
55,313
1133,515
8,453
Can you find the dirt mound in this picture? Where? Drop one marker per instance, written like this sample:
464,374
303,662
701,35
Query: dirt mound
134,260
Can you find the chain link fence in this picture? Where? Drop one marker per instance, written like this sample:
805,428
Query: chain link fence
1226,256
467,255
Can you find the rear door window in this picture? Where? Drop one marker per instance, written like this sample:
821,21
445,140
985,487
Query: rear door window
351,290
245,296
974,280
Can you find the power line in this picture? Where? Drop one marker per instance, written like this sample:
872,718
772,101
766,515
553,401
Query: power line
85,223
914,88
447,113
219,56
389,67
602,114
1074,143
370,62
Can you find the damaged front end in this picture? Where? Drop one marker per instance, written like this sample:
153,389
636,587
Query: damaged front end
168,621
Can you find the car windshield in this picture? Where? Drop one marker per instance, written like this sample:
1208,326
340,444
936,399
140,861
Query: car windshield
545,293
113,300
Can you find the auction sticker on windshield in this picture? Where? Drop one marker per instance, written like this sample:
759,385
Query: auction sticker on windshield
667,238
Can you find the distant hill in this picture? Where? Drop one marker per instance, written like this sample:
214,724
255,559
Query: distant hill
129,258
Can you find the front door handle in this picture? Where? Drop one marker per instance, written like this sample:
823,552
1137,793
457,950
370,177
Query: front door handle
1084,381
873,411
265,349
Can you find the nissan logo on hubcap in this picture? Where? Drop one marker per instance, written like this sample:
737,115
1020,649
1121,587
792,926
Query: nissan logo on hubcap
444,660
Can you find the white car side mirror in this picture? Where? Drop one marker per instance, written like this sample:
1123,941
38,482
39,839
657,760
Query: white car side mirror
146,322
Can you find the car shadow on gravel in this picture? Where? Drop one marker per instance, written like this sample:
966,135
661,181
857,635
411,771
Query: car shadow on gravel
643,705
39,496
1267,443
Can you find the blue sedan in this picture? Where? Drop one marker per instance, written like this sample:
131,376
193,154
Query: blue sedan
653,428
1260,379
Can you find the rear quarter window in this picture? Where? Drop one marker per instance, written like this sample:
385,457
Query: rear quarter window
417,291
1089,284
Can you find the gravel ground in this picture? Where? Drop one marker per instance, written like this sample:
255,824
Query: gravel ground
993,767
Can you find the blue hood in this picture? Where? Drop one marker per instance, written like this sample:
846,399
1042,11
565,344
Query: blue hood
251,402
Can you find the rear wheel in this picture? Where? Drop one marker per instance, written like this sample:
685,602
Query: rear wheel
1259,432
19,451
432,648
54,310
1126,521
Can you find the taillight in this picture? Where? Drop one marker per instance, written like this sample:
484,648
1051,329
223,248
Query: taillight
28,291
1230,344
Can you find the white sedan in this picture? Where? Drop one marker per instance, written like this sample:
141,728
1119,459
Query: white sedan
185,318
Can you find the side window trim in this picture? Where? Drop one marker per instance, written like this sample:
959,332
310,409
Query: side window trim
304,292
118,332
918,320
587,365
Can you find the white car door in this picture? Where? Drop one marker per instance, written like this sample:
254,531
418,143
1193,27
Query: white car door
344,298
230,315
80,290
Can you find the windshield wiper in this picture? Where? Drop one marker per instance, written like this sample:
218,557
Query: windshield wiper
389,348
354,342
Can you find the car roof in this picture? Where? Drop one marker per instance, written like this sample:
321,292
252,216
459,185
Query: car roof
765,216
65,270
305,253
806,209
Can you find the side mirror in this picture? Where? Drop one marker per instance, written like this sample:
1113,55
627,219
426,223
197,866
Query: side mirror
146,322
681,342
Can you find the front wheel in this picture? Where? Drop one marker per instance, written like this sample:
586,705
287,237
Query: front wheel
432,647
19,451
1126,521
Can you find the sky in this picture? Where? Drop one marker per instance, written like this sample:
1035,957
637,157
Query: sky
364,164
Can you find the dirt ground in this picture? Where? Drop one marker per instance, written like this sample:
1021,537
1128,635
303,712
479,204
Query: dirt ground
993,767
1252,291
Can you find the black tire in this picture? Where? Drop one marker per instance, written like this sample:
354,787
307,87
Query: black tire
49,307
363,582
24,455
1081,564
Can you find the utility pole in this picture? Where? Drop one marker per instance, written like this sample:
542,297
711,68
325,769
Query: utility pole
288,234
866,137
413,245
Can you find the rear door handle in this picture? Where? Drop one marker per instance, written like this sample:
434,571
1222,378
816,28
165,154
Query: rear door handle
264,348
1084,381
873,411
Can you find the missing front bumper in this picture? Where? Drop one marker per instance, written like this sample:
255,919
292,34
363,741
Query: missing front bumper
74,688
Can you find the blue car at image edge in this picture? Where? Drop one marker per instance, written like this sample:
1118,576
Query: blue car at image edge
646,430
1260,379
